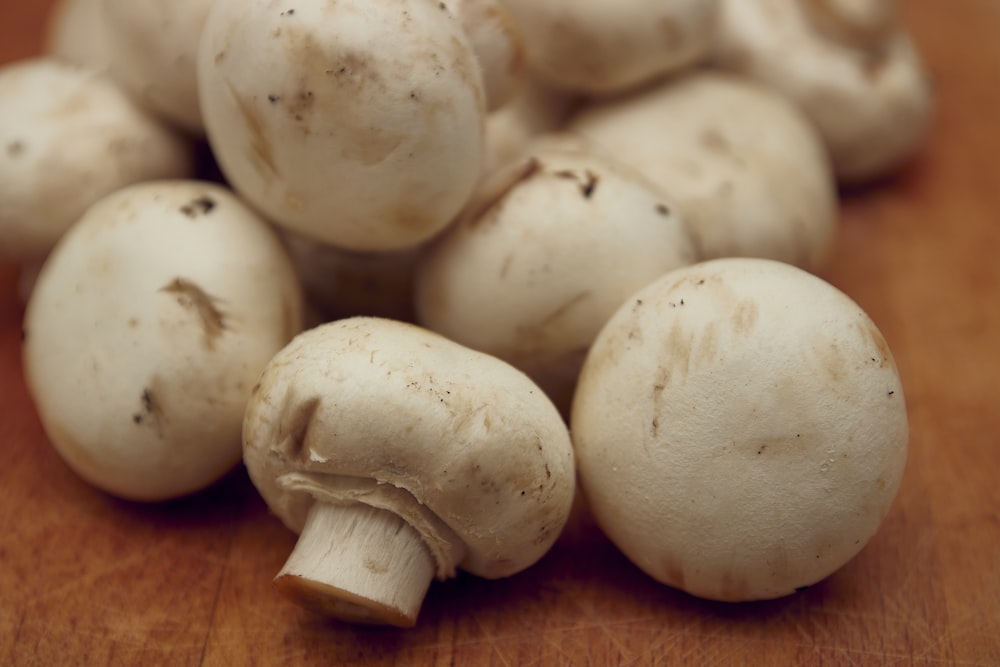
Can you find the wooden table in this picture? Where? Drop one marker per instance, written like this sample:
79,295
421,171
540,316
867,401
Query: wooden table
87,579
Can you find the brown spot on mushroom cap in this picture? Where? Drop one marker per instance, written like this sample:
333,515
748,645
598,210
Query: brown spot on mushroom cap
588,180
411,219
260,152
192,297
15,148
685,351
831,358
201,206
301,103
151,412
714,140
745,316
339,82
297,419
877,340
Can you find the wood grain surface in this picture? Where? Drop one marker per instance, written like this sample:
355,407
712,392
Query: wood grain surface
89,580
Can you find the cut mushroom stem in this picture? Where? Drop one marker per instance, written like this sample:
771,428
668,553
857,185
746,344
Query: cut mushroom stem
358,563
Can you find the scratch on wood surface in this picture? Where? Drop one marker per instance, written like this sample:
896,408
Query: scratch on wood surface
972,622
17,637
212,614
493,643
558,648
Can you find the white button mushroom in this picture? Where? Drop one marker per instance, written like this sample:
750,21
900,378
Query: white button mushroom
544,256
855,73
146,331
400,455
740,429
69,136
354,123
611,47
744,164
75,32
153,53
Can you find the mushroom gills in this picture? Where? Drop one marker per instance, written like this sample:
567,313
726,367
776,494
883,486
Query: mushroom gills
358,563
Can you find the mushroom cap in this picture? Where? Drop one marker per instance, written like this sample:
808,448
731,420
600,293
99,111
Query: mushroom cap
865,89
75,32
153,54
462,446
354,123
744,164
498,46
611,47
147,328
740,429
560,239
68,136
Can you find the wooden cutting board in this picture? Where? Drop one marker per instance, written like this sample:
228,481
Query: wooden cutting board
87,579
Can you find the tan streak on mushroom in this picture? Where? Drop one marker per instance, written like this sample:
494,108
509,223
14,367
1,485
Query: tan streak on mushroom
260,152
192,297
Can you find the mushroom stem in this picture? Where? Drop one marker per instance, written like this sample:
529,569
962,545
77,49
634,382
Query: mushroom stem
358,563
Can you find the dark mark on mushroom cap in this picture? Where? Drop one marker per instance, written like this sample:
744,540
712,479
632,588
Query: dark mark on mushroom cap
190,296
200,206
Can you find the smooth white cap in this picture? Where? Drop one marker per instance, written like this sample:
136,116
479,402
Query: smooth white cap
69,136
147,328
740,429
354,123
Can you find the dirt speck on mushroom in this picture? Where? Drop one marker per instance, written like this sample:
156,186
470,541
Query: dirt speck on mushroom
192,297
200,206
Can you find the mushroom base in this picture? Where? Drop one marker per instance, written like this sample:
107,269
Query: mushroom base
359,564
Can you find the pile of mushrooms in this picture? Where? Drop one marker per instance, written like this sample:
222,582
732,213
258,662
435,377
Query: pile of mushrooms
425,238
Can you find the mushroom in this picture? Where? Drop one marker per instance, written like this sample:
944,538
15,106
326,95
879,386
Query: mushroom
497,44
146,330
743,163
544,255
75,31
153,52
354,123
399,455
69,136
740,429
855,73
604,48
